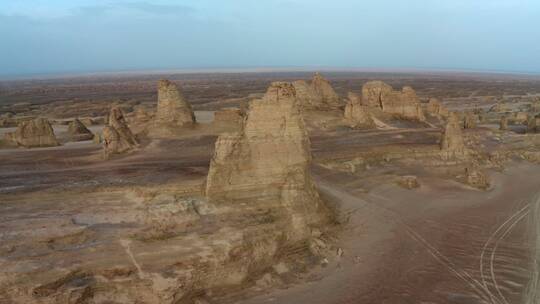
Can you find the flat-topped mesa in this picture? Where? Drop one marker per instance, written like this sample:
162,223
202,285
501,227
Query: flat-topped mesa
33,133
117,136
318,94
268,160
452,141
356,114
403,104
172,107
78,131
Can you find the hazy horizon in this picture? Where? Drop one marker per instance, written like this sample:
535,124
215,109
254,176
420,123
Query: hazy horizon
82,36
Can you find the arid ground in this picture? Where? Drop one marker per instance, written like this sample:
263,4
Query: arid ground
72,222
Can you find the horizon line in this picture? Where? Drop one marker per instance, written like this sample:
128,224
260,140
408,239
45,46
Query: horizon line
241,70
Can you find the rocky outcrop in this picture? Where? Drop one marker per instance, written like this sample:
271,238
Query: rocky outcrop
503,125
268,161
373,93
452,142
476,178
172,108
78,132
318,94
469,120
117,136
33,133
409,182
306,96
356,114
532,124
173,111
436,108
323,88
402,104
499,108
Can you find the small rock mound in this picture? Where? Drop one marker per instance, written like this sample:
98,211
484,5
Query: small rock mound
117,137
33,133
409,182
78,132
403,104
476,178
357,115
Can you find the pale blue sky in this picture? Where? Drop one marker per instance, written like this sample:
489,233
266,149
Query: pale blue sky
56,36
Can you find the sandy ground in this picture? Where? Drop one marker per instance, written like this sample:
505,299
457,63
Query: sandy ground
438,244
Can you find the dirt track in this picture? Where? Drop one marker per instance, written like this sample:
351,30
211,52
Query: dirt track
438,244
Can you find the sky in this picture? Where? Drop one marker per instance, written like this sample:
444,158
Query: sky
74,36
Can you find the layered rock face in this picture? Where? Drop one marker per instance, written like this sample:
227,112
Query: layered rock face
33,133
268,161
403,104
78,131
229,115
452,139
307,98
117,137
317,95
172,108
357,115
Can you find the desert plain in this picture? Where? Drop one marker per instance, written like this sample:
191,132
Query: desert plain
270,187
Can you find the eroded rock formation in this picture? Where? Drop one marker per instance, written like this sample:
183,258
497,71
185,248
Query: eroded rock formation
323,88
117,136
403,104
172,107
503,125
78,132
476,178
33,133
356,114
318,94
532,124
452,141
436,108
229,116
268,161
469,120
